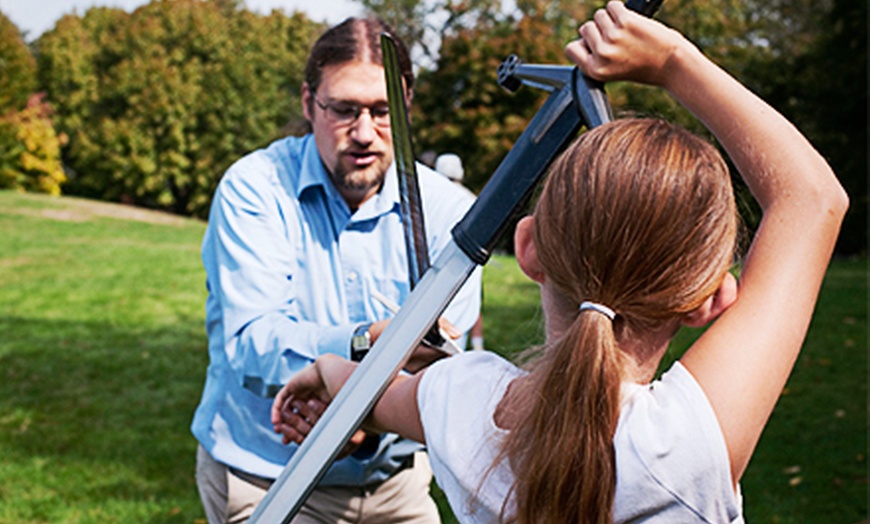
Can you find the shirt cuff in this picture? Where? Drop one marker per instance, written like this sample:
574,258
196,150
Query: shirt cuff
335,340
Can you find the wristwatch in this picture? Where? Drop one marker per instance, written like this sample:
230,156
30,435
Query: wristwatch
360,342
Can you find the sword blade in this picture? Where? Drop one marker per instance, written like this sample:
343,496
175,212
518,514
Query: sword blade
409,188
366,384
410,200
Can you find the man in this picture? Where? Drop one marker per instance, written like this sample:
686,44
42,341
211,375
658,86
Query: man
303,252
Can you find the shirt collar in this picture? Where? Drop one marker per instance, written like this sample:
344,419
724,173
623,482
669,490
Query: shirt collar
314,174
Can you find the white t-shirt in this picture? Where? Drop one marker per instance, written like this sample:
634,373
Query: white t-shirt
671,461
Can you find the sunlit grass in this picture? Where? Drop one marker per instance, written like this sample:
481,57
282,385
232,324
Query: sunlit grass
103,354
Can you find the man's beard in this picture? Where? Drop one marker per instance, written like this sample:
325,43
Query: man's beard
354,180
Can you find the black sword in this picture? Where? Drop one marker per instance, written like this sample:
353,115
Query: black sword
403,152
411,202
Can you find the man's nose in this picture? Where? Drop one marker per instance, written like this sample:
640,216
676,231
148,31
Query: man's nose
363,129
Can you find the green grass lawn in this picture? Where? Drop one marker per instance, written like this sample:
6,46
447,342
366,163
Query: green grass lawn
103,355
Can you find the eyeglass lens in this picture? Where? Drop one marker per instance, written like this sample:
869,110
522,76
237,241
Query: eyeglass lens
345,113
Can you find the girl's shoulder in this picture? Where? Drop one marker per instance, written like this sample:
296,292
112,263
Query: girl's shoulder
448,384
474,369
671,452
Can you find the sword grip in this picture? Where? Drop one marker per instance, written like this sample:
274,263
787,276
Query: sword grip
644,7
575,101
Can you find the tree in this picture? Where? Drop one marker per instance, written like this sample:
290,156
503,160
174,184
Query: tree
423,24
30,149
158,103
461,108
459,105
814,70
29,146
17,68
406,17
837,108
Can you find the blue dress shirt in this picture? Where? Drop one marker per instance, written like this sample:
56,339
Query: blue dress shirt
290,271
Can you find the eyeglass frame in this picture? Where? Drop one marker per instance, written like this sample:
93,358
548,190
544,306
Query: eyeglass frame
354,112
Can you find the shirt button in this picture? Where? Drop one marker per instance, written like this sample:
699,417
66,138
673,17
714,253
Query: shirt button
352,276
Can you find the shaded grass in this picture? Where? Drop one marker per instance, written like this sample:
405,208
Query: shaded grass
103,355
101,359
811,463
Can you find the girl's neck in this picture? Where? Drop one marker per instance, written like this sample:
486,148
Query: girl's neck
642,359
643,351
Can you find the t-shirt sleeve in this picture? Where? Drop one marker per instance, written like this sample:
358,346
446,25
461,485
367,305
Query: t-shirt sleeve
456,398
671,454
451,390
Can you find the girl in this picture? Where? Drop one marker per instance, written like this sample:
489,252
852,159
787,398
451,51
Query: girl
633,236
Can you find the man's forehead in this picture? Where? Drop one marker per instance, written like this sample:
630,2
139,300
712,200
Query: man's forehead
357,82
353,76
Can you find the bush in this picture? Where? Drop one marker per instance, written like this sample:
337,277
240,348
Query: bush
30,149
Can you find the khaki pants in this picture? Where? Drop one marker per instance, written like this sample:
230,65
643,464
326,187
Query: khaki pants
404,497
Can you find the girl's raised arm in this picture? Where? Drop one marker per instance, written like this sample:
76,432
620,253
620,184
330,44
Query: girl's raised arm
743,361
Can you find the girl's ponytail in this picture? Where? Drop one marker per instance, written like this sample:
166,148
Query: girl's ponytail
637,220
572,415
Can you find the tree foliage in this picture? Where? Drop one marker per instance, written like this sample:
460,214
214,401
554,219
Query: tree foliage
462,109
158,103
423,24
17,68
29,146
30,149
807,58
459,105
814,70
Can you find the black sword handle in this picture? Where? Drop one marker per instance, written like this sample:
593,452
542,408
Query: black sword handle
644,7
576,101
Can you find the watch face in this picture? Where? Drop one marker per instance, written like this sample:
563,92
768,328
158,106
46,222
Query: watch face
360,342
361,338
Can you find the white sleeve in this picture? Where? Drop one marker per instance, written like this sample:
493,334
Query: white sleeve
457,397
672,461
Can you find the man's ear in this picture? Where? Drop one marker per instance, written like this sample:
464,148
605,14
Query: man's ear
715,305
306,101
525,251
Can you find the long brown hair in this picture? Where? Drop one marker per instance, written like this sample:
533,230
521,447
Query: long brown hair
637,215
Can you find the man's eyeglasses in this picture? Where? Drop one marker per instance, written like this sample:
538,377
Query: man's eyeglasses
345,114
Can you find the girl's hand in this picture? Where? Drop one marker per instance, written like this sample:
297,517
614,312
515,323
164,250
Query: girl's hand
299,404
619,44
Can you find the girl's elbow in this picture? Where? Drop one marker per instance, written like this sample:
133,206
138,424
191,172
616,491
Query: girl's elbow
840,203
831,199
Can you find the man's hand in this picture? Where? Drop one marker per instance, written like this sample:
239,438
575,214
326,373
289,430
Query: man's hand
302,401
298,417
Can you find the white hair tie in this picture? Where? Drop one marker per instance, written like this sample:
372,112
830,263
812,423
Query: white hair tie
600,308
